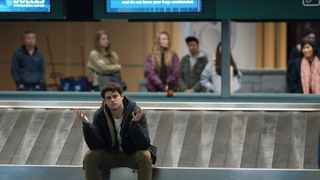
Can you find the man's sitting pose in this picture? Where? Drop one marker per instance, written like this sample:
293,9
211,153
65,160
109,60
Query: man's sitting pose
118,136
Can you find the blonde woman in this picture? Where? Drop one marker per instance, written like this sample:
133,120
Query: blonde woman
162,65
103,62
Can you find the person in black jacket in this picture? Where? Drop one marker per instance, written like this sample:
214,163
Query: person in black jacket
118,136
28,66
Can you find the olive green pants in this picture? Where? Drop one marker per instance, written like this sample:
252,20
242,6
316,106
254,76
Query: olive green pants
97,160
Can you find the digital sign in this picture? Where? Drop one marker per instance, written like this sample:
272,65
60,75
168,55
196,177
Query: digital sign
267,9
153,6
25,6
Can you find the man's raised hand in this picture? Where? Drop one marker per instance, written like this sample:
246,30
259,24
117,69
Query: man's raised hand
136,116
81,116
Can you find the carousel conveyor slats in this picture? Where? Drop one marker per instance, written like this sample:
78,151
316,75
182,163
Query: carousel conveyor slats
252,138
312,135
8,120
229,139
59,138
15,137
71,144
31,134
43,140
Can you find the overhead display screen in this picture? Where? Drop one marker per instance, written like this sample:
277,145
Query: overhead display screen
153,6
267,9
25,6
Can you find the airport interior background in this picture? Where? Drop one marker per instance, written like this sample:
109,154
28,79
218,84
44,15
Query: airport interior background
260,49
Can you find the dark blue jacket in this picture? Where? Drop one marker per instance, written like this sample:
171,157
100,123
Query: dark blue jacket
26,68
134,136
294,76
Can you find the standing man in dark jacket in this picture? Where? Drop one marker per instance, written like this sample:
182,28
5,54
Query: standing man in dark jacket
191,67
28,66
118,136
294,77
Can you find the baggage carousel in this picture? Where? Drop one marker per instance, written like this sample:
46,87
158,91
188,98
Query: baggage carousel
239,138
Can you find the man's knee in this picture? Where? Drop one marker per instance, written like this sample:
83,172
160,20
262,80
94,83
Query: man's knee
92,156
144,156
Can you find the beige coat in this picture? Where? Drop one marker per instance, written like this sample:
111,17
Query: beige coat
95,68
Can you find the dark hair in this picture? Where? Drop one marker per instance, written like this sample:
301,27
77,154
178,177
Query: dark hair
27,32
192,39
111,86
312,44
308,31
219,58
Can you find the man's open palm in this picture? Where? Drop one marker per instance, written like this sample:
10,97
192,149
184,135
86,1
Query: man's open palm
81,116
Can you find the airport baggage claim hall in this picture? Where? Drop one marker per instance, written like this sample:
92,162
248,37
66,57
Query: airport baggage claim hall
214,89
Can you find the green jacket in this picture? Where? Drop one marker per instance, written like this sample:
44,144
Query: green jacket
190,79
